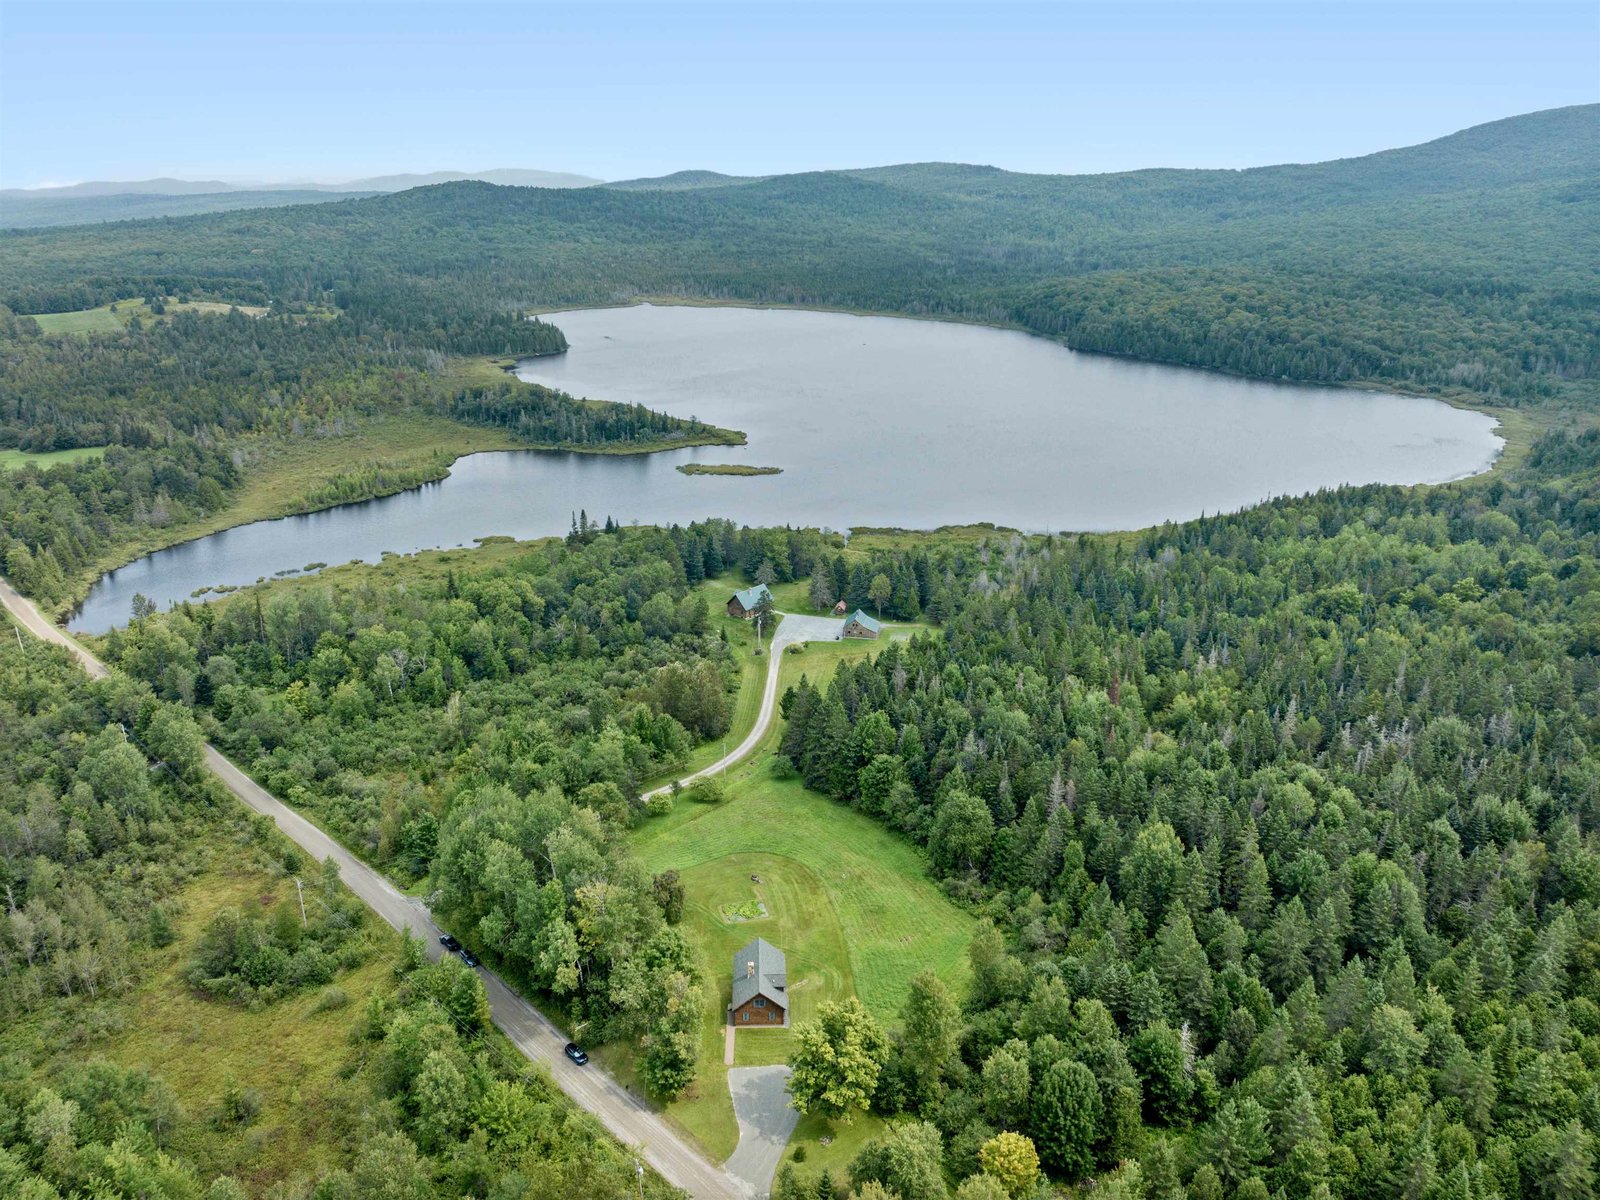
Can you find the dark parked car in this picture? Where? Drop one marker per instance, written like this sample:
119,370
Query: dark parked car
576,1054
449,943
468,957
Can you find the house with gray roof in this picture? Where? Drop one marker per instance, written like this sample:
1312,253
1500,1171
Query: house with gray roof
760,986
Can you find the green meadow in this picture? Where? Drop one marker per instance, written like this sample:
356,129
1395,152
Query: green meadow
12,460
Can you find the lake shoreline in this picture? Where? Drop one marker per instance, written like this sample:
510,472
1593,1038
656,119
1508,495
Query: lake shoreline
1456,398
68,608
669,368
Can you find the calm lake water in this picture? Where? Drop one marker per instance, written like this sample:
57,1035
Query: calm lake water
875,421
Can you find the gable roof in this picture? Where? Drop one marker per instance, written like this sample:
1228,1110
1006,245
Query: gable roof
864,621
750,597
770,977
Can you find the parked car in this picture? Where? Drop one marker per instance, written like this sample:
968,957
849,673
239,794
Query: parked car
468,957
576,1054
449,943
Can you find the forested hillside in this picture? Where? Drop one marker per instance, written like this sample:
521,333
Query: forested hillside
1284,823
1457,266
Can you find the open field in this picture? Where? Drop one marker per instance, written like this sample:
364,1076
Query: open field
894,920
109,318
11,460
850,904
294,1056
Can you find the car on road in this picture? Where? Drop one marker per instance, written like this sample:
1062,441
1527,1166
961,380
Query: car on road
449,943
468,957
576,1054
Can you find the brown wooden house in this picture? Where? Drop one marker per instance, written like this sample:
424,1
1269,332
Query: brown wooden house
743,604
861,626
760,987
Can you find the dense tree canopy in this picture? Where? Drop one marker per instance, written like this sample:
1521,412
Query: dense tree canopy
1284,822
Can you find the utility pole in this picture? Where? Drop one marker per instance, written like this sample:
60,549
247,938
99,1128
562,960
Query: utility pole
638,1174
302,891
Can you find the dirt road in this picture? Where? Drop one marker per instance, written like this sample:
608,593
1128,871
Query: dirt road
628,1118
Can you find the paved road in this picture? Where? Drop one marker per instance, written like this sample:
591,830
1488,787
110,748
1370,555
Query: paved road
628,1118
793,628
761,1104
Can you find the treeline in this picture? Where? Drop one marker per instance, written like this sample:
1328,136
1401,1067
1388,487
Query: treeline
590,669
543,416
194,375
93,842
1284,823
1509,343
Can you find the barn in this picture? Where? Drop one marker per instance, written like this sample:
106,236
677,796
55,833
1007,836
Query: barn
861,626
743,604
760,986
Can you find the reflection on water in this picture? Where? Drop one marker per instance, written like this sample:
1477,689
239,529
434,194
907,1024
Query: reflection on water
875,421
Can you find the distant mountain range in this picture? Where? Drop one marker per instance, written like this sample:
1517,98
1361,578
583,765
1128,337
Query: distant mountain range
508,176
122,200
683,181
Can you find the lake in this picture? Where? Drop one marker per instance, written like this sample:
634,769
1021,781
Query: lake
875,421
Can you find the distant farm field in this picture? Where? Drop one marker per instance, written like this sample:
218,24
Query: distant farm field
11,460
109,318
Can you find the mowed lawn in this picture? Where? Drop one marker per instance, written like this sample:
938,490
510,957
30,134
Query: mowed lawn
850,904
893,920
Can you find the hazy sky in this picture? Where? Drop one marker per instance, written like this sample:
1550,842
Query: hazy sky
278,90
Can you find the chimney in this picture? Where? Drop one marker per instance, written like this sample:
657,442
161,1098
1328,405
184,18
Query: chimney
750,970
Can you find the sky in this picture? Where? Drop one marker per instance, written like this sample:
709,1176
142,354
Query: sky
281,89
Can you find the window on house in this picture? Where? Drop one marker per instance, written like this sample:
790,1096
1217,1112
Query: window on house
746,1016
761,1001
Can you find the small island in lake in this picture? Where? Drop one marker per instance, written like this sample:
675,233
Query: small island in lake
726,469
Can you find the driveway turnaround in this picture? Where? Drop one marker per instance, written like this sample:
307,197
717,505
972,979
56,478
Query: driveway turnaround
629,1119
761,1105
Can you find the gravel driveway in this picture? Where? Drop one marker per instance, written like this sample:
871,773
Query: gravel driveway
796,628
791,629
761,1104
